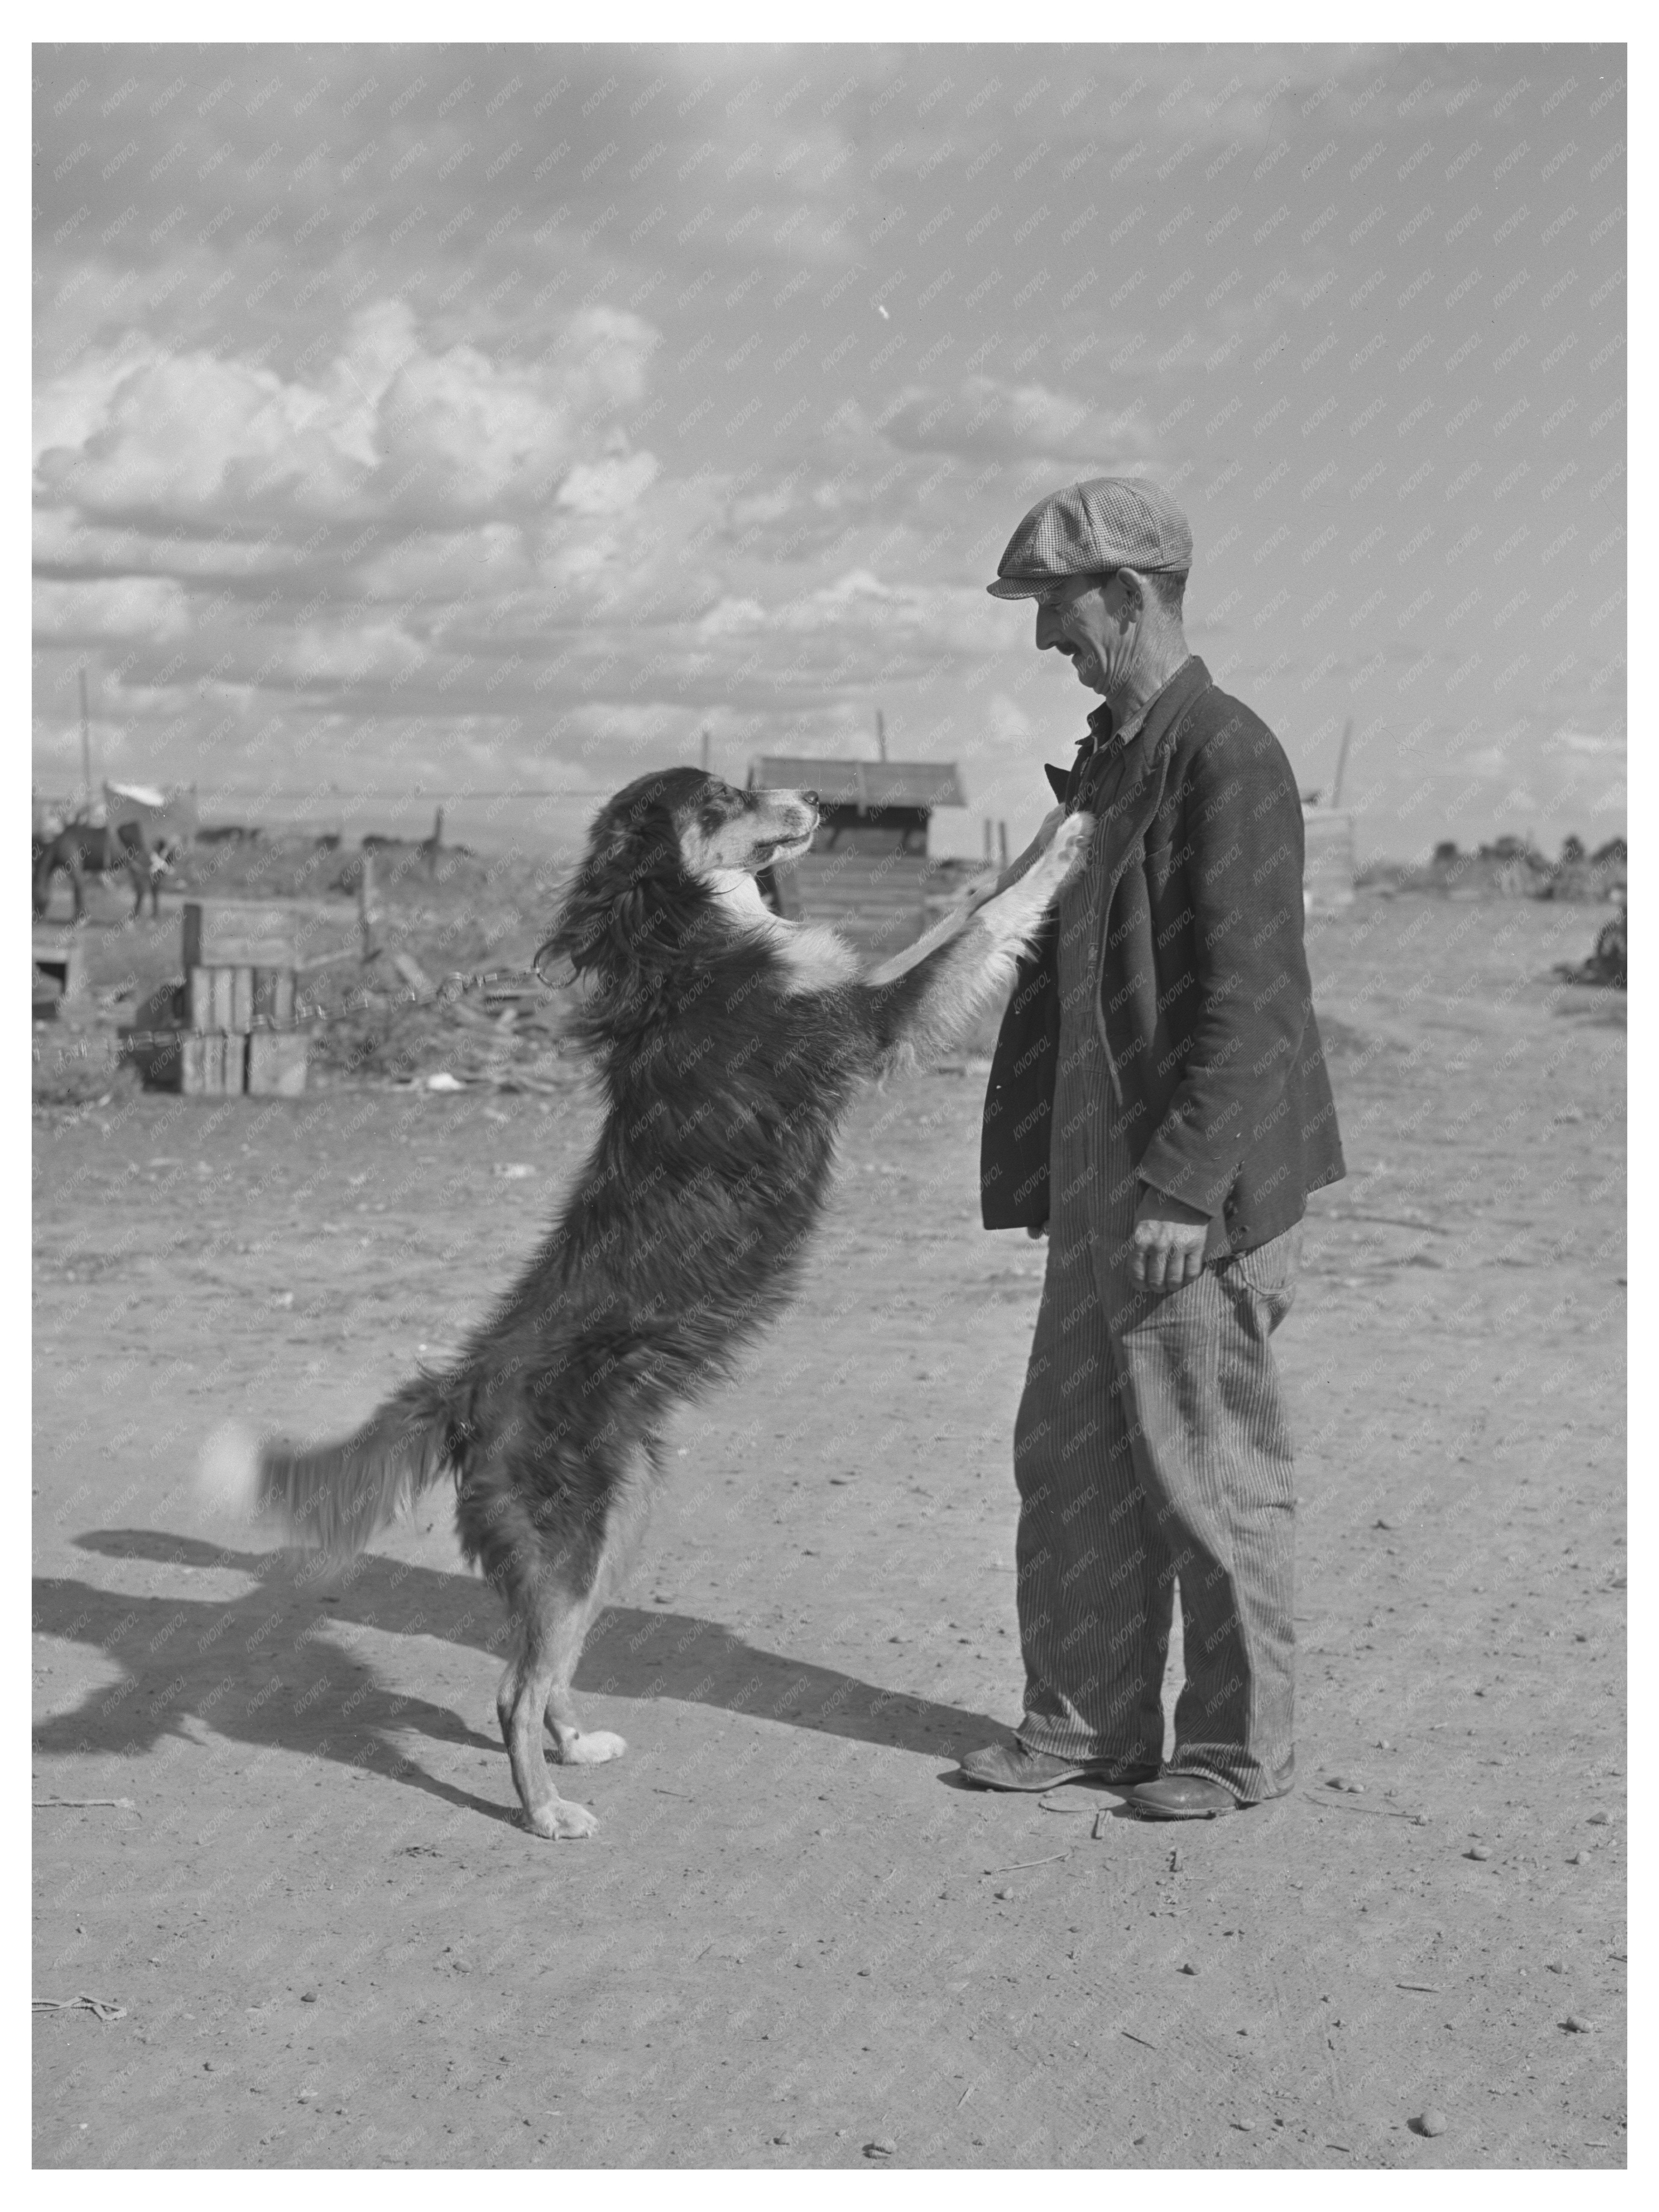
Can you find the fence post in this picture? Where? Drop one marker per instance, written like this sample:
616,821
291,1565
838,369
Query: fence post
366,902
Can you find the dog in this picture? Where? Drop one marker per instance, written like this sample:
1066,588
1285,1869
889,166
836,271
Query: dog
728,1043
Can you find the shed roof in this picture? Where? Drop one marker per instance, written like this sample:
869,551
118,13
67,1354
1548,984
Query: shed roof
861,783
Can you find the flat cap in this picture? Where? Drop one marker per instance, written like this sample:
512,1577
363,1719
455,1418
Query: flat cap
1110,522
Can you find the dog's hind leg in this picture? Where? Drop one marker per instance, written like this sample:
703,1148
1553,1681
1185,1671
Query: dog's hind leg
624,1528
577,1746
555,1626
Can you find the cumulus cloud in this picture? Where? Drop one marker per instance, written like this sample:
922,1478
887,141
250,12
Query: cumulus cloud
983,419
391,429
85,611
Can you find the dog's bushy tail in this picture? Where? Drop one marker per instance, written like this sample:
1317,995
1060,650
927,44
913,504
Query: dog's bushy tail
337,1498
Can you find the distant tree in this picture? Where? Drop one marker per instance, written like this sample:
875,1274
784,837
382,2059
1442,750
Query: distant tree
1614,849
1572,849
1445,850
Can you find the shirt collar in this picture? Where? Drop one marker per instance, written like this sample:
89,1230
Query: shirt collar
1101,732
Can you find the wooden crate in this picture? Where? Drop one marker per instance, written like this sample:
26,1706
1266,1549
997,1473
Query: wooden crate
223,933
213,1067
241,999
276,1063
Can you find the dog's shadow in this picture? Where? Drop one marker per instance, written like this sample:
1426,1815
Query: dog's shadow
276,1666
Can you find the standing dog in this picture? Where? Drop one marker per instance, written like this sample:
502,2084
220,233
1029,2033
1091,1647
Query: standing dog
729,1043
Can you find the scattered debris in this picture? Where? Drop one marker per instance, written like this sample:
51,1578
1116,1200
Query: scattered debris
1020,1865
1431,2121
1133,2038
414,974
64,1804
1424,1989
1377,1812
1478,1852
881,2148
1341,1782
102,2007
1576,2024
1189,1970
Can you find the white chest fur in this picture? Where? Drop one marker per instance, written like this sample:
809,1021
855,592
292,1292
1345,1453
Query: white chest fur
814,957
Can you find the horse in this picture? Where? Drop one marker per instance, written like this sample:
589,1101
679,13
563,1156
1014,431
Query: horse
84,847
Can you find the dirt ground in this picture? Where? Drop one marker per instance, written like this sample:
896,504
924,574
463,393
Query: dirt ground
794,1938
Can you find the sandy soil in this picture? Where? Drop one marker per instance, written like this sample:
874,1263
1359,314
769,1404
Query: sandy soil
794,1938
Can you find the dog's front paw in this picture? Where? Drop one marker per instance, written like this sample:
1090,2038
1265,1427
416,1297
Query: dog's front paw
1070,847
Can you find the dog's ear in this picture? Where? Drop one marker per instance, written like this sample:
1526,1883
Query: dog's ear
629,906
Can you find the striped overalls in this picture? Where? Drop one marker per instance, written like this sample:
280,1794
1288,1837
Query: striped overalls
1151,1448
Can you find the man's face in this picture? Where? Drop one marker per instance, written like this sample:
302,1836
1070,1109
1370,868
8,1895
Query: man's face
1093,621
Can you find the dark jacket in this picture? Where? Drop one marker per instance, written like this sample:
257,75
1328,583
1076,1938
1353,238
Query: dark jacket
1217,1077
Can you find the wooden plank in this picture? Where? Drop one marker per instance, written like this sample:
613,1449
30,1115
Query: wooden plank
241,1001
276,1063
199,990
226,934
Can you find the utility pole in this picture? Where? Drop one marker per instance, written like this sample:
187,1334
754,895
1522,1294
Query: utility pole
881,735
1342,762
706,751
86,741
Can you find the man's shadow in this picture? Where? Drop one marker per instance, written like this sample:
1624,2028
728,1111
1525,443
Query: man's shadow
275,1667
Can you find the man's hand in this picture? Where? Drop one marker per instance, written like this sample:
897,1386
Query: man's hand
1168,1242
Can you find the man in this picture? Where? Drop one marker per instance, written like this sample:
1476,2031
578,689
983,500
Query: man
1158,1105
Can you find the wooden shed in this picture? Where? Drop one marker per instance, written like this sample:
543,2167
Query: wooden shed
868,873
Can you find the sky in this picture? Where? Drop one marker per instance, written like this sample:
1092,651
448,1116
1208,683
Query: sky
414,422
